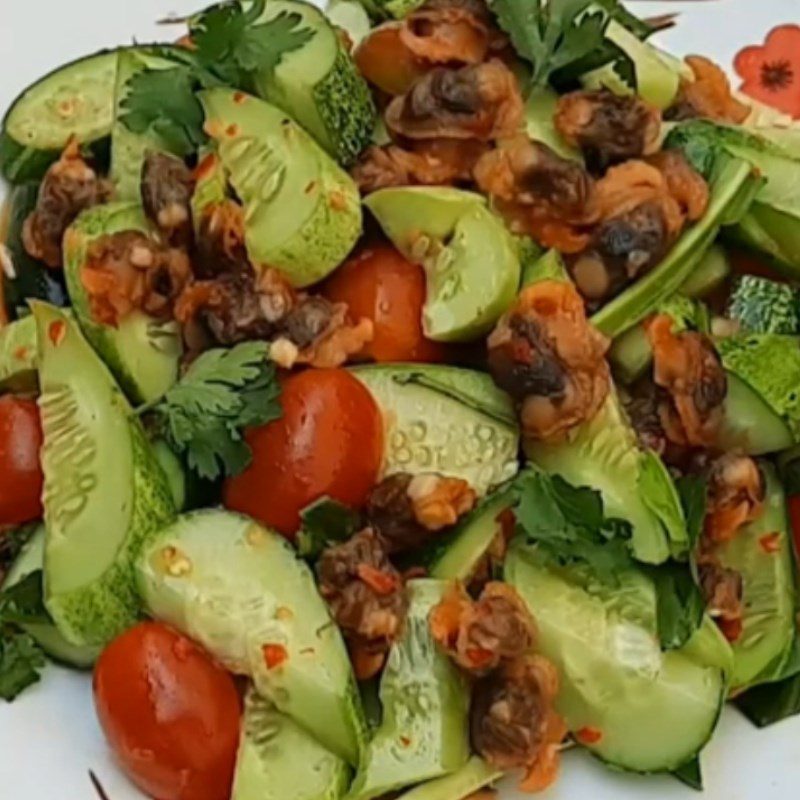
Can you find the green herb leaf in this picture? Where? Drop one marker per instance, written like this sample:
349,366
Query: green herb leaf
690,774
568,524
164,101
679,604
692,491
325,521
20,662
24,601
551,35
765,705
222,393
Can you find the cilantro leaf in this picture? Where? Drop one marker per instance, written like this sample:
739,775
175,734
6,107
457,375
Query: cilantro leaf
20,662
679,604
568,524
24,601
692,491
223,392
163,101
325,521
551,35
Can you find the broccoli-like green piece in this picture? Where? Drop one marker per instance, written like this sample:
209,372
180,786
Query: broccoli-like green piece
760,305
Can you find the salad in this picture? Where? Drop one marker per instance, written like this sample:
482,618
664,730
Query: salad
394,396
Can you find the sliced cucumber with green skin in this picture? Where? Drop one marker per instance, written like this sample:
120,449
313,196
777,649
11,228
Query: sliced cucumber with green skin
767,569
143,353
320,86
279,760
474,775
239,589
74,101
18,355
540,109
461,552
470,259
732,185
302,211
423,734
444,419
20,164
46,635
772,233
605,455
653,710
709,274
128,149
31,279
351,17
104,492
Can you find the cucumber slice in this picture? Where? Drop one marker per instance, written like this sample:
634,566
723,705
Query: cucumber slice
423,734
47,636
768,633
279,760
104,493
461,552
74,101
654,711
709,274
31,280
320,86
444,419
143,354
18,355
238,588
470,778
20,164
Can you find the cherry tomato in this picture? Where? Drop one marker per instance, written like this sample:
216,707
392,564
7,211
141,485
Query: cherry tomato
170,714
794,517
386,62
378,283
20,471
329,441
745,263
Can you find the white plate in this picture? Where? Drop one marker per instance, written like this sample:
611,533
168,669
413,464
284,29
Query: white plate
49,737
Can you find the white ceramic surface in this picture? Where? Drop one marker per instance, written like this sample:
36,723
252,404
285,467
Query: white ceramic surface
49,737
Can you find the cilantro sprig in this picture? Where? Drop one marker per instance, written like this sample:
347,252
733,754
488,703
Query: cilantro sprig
223,392
229,48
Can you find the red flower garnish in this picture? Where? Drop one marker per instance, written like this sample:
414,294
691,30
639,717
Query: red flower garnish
771,72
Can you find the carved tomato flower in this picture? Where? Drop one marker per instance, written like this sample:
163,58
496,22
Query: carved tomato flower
771,72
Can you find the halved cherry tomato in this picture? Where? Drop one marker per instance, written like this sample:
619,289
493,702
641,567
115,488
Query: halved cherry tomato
20,471
381,285
386,62
329,441
170,714
794,518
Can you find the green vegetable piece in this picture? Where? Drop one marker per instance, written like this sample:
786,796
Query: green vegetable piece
18,355
302,211
474,775
760,305
769,364
142,352
603,642
74,101
20,164
423,734
690,774
30,563
772,702
279,760
709,274
444,419
761,553
604,454
319,86
20,662
471,263
128,147
731,187
241,591
461,552
540,109
325,521
104,492
351,17
392,9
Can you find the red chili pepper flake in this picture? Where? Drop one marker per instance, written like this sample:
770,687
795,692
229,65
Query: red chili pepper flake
588,735
479,657
232,130
770,542
205,166
405,741
57,331
21,353
239,98
731,628
508,522
382,583
274,655
337,201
